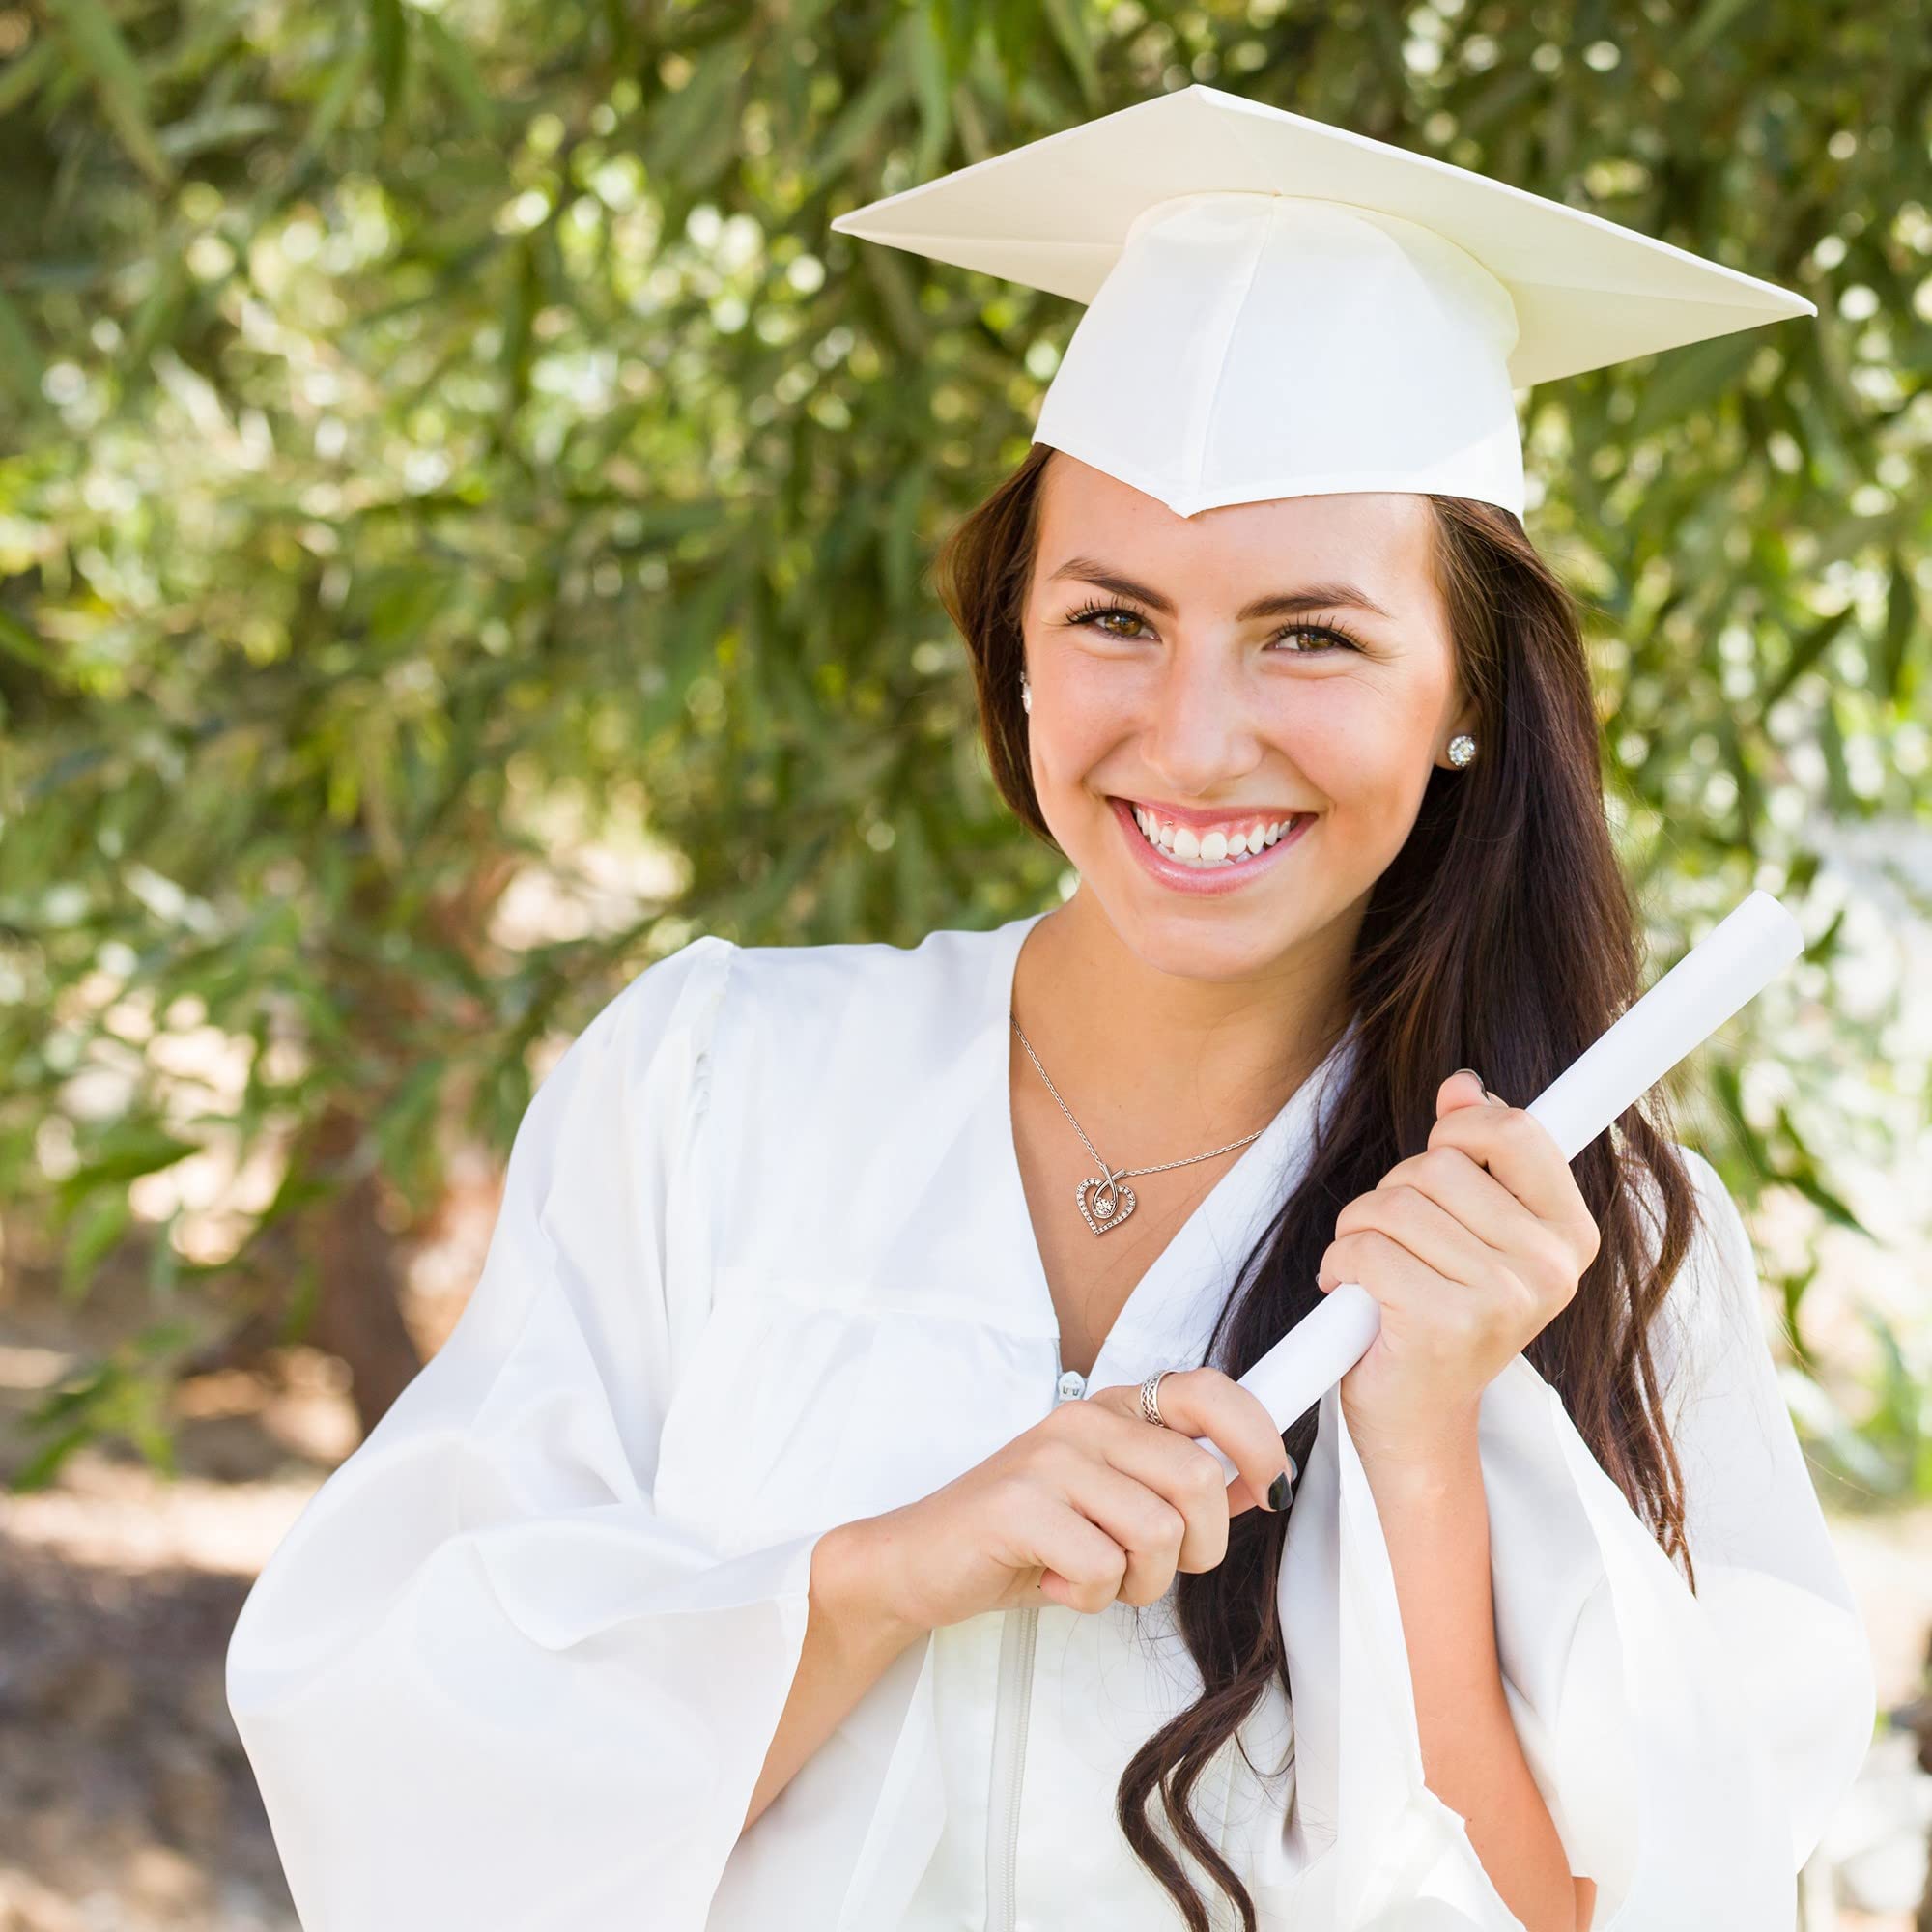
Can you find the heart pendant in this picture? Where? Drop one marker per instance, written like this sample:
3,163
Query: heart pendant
1104,1203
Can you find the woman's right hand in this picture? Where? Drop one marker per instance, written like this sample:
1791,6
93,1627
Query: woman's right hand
1092,1505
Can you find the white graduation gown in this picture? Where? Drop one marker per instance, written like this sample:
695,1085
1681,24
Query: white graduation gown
763,1266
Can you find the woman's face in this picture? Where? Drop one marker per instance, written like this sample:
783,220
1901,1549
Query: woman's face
1276,674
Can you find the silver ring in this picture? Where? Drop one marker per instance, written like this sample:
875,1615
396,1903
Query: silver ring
1150,1398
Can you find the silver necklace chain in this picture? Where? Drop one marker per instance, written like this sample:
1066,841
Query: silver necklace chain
1105,1191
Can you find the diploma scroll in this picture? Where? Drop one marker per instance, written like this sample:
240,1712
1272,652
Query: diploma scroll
1719,975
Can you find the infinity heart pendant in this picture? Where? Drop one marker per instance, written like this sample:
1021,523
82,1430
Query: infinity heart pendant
1104,1203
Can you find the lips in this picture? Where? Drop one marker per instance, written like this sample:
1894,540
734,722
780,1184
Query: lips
1215,867
1226,838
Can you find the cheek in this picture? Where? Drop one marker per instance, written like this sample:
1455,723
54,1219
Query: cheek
1367,751
1081,714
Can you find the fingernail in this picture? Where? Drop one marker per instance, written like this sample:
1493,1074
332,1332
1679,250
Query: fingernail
1473,1075
1278,1489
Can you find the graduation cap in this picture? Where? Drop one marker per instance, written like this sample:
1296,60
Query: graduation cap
1278,307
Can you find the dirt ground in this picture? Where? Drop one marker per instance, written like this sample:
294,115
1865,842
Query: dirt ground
126,1804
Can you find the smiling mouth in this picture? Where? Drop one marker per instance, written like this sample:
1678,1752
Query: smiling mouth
1230,843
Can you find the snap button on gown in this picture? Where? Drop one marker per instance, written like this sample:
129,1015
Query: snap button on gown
763,1264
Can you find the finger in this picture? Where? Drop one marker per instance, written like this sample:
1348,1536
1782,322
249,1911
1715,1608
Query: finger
1241,1498
1553,1254
1146,1525
1082,1565
1518,1150
1471,1193
1427,1229
1166,1461
1462,1089
1205,1402
1394,1276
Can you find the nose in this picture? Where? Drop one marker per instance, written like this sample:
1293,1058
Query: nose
1199,738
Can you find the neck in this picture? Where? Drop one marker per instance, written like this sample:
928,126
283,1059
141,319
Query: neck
1168,1060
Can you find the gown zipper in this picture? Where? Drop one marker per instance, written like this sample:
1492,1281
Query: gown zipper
1012,1706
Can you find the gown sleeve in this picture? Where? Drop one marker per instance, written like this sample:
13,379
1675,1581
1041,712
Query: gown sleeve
481,1682
1690,1747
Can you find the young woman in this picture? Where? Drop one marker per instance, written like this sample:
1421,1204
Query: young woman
781,1538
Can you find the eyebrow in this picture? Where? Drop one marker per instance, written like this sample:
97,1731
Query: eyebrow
1280,604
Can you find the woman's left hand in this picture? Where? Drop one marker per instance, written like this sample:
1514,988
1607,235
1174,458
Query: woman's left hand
1471,1249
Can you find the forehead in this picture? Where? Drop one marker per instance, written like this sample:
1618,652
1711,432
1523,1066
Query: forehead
1381,540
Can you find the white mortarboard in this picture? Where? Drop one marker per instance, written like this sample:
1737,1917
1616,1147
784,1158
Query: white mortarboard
1276,307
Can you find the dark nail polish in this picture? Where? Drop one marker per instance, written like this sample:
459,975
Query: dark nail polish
1278,1492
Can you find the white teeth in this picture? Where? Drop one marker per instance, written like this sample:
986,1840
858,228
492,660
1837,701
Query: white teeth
1210,848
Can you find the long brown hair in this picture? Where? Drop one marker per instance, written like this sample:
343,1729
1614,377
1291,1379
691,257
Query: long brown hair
1501,937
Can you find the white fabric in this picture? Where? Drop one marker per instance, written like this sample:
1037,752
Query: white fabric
1278,307
764,1265
1214,316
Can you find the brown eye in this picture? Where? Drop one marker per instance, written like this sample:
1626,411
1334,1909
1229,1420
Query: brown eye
1335,638
1093,612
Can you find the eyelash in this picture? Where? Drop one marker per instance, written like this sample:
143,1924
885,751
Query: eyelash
1087,613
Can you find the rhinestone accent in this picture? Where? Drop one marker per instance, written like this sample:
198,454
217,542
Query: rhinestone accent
1103,1208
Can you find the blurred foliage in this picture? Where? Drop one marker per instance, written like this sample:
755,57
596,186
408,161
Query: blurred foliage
437,437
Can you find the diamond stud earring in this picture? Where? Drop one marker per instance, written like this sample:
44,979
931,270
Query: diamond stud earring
1026,693
1461,750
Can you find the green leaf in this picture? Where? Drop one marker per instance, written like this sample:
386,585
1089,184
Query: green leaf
901,562
389,40
43,1464
868,111
1900,611
17,641
25,74
1070,30
693,134
92,1235
128,1150
104,56
1714,20
459,72
1799,1169
1807,649
1688,383
926,54
345,81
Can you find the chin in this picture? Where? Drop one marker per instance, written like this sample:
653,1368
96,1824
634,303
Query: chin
1218,940
1227,952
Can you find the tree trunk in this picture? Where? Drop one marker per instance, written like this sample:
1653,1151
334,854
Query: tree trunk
358,1312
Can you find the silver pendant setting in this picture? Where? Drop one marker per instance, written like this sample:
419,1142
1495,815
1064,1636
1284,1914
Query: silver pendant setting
1105,1202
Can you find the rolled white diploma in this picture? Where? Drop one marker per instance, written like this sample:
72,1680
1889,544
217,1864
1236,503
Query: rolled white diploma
1732,965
